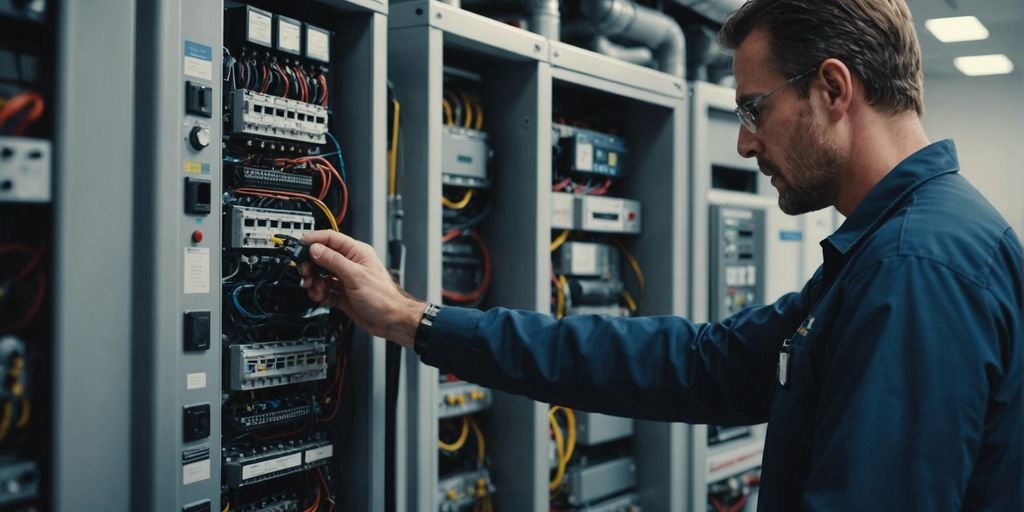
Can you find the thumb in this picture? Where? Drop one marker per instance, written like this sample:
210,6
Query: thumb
333,262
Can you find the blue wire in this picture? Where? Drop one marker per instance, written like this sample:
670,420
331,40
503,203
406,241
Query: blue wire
341,159
238,305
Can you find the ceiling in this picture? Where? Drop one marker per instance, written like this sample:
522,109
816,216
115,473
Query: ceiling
1003,18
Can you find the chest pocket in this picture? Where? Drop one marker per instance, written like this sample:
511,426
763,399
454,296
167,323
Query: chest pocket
796,365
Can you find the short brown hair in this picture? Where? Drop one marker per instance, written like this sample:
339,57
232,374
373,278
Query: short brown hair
874,38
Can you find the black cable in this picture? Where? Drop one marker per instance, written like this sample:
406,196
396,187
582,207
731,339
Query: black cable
393,366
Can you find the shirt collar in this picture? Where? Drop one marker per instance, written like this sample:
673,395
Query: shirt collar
933,160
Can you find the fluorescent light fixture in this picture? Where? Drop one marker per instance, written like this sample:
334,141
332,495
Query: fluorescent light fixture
954,30
981,65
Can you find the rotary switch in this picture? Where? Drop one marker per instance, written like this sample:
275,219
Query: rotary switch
199,137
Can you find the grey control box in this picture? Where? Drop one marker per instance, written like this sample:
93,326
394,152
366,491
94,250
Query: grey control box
587,259
465,154
594,429
595,214
588,483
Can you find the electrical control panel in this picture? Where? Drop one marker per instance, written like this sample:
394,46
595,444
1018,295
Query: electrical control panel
737,253
465,155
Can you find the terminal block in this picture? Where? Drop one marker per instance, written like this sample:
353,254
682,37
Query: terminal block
242,467
276,363
461,398
252,228
263,115
461,490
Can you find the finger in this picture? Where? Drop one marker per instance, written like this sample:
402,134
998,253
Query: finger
335,263
305,269
344,244
317,291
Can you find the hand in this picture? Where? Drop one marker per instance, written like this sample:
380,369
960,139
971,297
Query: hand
360,286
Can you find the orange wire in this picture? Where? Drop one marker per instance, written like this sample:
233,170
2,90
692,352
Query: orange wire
19,102
327,489
484,283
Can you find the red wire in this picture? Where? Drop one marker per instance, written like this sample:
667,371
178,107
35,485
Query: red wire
323,83
558,187
34,309
284,77
265,73
341,386
736,507
603,189
485,283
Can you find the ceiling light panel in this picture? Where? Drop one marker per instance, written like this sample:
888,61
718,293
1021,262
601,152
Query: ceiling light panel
981,65
954,30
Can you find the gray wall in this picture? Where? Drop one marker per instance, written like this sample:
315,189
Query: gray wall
985,115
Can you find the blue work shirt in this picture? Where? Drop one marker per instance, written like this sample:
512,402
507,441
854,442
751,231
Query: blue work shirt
903,388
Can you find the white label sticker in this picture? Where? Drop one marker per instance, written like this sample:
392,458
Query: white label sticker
584,157
322,452
584,258
271,466
317,45
197,270
288,36
195,472
195,381
198,68
259,28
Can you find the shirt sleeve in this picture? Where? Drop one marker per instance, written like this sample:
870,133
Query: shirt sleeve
658,368
905,382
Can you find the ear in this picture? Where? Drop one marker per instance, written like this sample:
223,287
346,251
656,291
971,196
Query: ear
836,87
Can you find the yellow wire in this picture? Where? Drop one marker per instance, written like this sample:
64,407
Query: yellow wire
559,240
559,450
634,264
570,417
563,283
393,154
559,300
460,442
481,451
461,203
5,423
449,120
630,303
479,114
323,207
468,107
227,507
26,412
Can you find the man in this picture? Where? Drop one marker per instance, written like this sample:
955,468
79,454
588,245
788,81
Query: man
892,381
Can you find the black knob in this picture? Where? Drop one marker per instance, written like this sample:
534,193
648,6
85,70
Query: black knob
199,137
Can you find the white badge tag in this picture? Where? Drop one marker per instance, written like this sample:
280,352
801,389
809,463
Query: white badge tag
784,363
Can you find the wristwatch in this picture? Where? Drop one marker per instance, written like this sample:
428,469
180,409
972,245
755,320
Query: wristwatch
430,313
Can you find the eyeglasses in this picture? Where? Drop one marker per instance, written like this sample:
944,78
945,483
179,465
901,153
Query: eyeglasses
749,111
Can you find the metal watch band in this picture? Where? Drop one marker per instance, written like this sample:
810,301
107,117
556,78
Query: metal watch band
426,324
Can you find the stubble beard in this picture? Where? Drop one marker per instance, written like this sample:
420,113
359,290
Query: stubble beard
812,180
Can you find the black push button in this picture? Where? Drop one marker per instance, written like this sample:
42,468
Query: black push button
197,331
197,196
197,422
198,99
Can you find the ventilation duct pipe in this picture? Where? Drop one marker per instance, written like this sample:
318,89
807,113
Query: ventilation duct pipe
544,18
635,54
655,29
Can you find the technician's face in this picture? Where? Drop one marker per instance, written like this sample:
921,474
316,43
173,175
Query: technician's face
791,144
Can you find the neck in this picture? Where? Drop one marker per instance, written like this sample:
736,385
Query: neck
878,143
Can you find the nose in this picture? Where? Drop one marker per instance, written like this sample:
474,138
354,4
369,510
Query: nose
748,145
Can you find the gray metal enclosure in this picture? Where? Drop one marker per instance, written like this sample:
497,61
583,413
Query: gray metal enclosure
522,76
174,274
